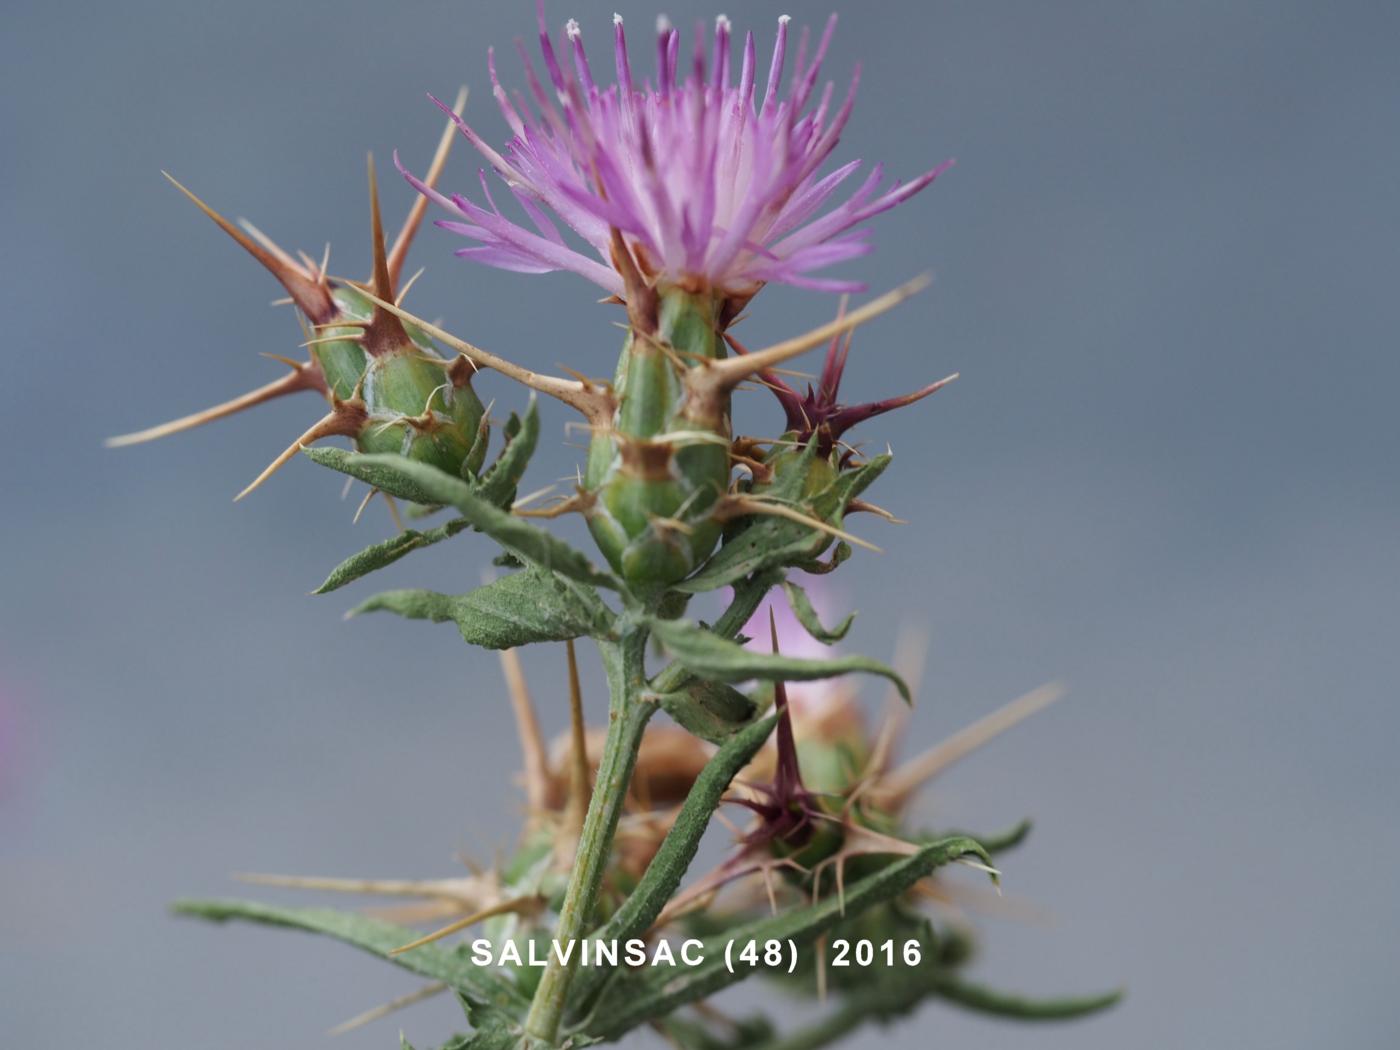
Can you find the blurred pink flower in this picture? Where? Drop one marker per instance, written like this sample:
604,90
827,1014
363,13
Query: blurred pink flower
813,703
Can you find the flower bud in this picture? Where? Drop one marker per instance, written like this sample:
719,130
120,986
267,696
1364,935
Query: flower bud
657,473
388,389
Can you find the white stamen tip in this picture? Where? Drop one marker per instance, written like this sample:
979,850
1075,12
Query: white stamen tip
663,24
617,19
722,22
784,19
572,29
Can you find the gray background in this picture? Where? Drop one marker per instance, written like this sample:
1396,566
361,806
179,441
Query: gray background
1167,270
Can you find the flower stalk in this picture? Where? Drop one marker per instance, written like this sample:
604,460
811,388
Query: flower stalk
628,714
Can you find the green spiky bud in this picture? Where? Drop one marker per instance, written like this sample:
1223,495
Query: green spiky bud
657,474
417,404
389,390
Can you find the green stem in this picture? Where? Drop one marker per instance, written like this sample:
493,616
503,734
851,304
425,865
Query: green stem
663,875
627,719
748,596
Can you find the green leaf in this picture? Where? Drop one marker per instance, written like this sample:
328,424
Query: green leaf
710,656
1000,1004
807,616
423,483
663,875
524,607
773,541
668,867
387,552
712,711
498,485
662,990
382,472
902,989
455,968
1008,839
490,1037
476,455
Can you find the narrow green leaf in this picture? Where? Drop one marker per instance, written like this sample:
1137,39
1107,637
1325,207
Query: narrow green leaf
710,656
660,991
498,485
666,870
1008,839
524,607
1000,1004
423,483
901,990
668,867
371,935
476,455
808,618
387,552
381,472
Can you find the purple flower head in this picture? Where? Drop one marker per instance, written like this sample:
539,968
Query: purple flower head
710,184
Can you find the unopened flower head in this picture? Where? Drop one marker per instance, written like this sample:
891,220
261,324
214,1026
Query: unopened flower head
713,183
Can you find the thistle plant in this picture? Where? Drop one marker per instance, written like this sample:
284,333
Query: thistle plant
682,195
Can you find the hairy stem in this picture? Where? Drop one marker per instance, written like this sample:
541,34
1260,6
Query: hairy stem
627,719
663,875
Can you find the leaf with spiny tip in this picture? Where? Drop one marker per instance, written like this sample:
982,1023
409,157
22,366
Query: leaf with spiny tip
387,552
660,991
524,607
423,483
708,655
311,295
807,616
371,935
